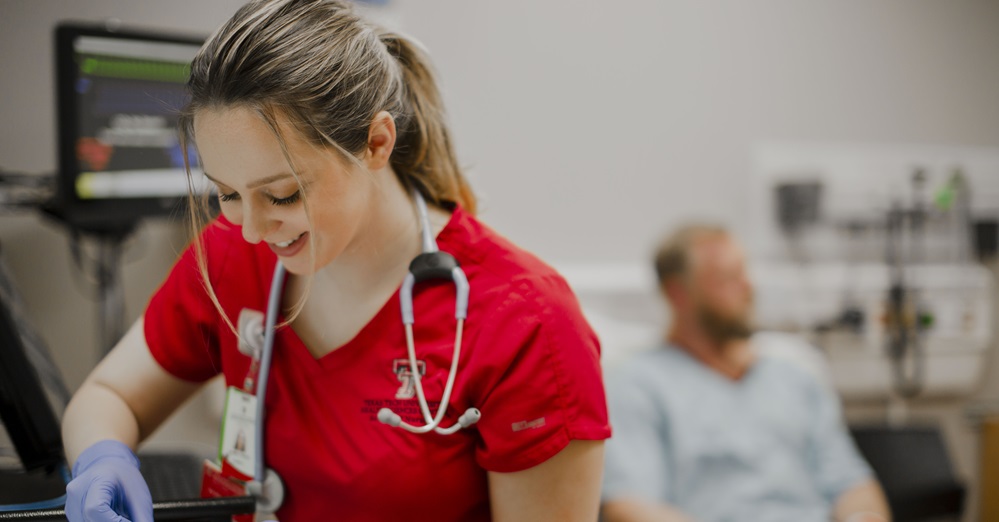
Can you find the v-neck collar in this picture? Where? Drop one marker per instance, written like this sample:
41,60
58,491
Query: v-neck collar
742,382
387,316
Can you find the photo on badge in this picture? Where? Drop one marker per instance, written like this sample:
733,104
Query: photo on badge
237,444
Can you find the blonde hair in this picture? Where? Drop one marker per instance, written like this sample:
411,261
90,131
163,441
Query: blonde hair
321,68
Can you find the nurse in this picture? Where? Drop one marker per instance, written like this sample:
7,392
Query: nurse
318,128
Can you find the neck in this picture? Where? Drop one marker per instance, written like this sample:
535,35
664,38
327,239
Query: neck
344,295
385,244
731,358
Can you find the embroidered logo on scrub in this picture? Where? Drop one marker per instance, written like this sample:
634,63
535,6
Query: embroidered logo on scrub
402,371
528,425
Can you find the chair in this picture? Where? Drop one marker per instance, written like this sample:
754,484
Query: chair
912,464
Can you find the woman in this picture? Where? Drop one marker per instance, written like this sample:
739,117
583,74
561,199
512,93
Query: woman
323,135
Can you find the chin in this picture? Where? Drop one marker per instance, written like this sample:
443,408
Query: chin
297,269
304,264
726,327
300,265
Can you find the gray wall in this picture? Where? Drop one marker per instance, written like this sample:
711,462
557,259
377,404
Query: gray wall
588,126
606,121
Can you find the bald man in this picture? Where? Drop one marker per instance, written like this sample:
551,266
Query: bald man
707,428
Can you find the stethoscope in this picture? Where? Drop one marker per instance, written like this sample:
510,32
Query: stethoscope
431,263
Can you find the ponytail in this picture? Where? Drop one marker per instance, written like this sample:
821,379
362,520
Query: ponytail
330,72
423,156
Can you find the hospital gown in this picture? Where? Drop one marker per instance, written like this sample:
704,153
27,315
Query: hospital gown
771,446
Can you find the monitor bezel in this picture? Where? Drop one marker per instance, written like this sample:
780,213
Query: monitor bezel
97,215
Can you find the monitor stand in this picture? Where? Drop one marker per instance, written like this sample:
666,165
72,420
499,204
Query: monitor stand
112,291
110,242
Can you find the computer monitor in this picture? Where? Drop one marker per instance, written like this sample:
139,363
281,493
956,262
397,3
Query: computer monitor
26,412
119,92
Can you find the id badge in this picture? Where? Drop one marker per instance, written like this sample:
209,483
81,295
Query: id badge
215,484
237,445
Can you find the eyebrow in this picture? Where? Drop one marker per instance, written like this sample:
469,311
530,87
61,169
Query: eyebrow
257,183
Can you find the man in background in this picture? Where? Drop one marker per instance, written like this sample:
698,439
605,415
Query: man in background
709,428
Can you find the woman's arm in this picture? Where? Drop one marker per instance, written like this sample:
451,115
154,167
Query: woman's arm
564,487
126,397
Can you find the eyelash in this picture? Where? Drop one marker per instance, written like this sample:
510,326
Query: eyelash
290,200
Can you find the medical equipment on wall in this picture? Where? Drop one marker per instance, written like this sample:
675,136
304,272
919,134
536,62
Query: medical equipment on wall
908,317
890,290
432,263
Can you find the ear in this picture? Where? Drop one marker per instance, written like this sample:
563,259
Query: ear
675,291
381,140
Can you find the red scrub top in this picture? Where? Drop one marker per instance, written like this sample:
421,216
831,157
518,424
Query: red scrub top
529,362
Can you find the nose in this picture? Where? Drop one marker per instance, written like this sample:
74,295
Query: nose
257,223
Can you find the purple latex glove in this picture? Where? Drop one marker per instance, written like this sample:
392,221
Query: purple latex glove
107,486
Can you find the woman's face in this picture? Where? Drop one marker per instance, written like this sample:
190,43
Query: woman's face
258,190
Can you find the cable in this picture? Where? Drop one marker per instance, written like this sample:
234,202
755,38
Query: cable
89,273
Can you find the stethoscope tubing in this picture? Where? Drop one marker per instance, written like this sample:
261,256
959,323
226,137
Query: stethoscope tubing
432,422
277,284
471,416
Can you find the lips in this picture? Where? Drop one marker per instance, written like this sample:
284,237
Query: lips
290,247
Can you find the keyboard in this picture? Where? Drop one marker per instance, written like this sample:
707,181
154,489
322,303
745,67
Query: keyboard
171,476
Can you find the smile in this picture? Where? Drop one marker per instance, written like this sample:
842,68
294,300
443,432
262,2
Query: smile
286,244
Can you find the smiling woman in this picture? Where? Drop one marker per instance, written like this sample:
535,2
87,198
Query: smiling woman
270,199
338,209
324,135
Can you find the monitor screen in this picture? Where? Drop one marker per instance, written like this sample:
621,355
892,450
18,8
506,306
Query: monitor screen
119,95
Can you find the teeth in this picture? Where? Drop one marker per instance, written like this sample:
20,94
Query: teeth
288,243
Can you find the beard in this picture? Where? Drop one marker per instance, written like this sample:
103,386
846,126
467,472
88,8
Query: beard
723,327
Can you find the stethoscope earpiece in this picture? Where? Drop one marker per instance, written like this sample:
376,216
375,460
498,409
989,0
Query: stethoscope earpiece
471,416
387,416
